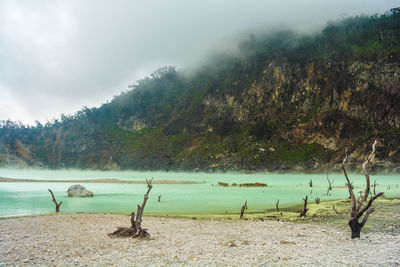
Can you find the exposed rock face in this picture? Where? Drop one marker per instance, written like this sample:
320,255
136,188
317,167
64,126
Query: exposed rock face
78,190
299,117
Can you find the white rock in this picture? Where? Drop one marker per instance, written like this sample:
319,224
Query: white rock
78,190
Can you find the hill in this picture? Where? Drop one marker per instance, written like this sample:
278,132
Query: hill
285,101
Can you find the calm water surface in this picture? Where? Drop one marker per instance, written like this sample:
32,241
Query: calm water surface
28,198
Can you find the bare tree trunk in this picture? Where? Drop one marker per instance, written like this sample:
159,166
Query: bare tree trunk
136,225
277,206
243,209
55,202
159,197
357,211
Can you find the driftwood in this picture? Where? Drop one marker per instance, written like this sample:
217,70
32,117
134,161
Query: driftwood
358,209
55,201
277,206
305,209
243,209
136,224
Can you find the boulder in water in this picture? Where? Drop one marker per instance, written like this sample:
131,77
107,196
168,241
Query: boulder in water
78,190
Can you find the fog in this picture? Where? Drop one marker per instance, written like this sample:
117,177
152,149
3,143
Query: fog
58,56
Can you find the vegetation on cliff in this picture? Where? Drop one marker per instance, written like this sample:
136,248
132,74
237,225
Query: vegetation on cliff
285,101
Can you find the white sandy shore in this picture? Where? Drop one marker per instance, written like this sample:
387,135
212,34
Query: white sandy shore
81,239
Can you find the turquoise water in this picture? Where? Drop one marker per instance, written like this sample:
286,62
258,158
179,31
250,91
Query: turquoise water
28,198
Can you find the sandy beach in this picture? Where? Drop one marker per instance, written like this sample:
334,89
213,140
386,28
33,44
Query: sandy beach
103,181
81,240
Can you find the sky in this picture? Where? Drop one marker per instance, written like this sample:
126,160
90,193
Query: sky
59,56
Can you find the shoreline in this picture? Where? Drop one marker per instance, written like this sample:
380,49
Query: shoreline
81,239
385,219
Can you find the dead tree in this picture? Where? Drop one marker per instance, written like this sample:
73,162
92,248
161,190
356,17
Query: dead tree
310,183
159,197
330,185
277,206
136,224
243,208
357,209
55,202
305,209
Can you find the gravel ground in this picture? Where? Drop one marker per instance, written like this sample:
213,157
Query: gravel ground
81,240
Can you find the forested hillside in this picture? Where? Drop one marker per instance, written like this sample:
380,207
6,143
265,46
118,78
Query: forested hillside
285,101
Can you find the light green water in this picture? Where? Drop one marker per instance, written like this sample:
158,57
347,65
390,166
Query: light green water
28,198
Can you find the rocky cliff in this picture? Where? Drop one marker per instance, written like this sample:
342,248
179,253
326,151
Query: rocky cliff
293,104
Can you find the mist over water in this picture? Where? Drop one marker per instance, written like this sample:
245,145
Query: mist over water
204,197
59,56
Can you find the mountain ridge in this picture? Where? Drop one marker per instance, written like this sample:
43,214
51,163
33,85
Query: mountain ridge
286,102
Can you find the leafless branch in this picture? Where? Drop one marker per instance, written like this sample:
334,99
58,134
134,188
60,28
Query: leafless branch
350,187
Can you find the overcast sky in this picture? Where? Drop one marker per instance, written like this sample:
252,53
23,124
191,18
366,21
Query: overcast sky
58,56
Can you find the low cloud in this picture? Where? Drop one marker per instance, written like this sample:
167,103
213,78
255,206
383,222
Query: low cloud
58,56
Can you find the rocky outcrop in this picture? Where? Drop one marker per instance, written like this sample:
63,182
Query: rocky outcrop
78,190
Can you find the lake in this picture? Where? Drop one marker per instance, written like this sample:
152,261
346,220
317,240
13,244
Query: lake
204,197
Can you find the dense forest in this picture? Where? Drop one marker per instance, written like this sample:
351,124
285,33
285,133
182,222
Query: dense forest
284,101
